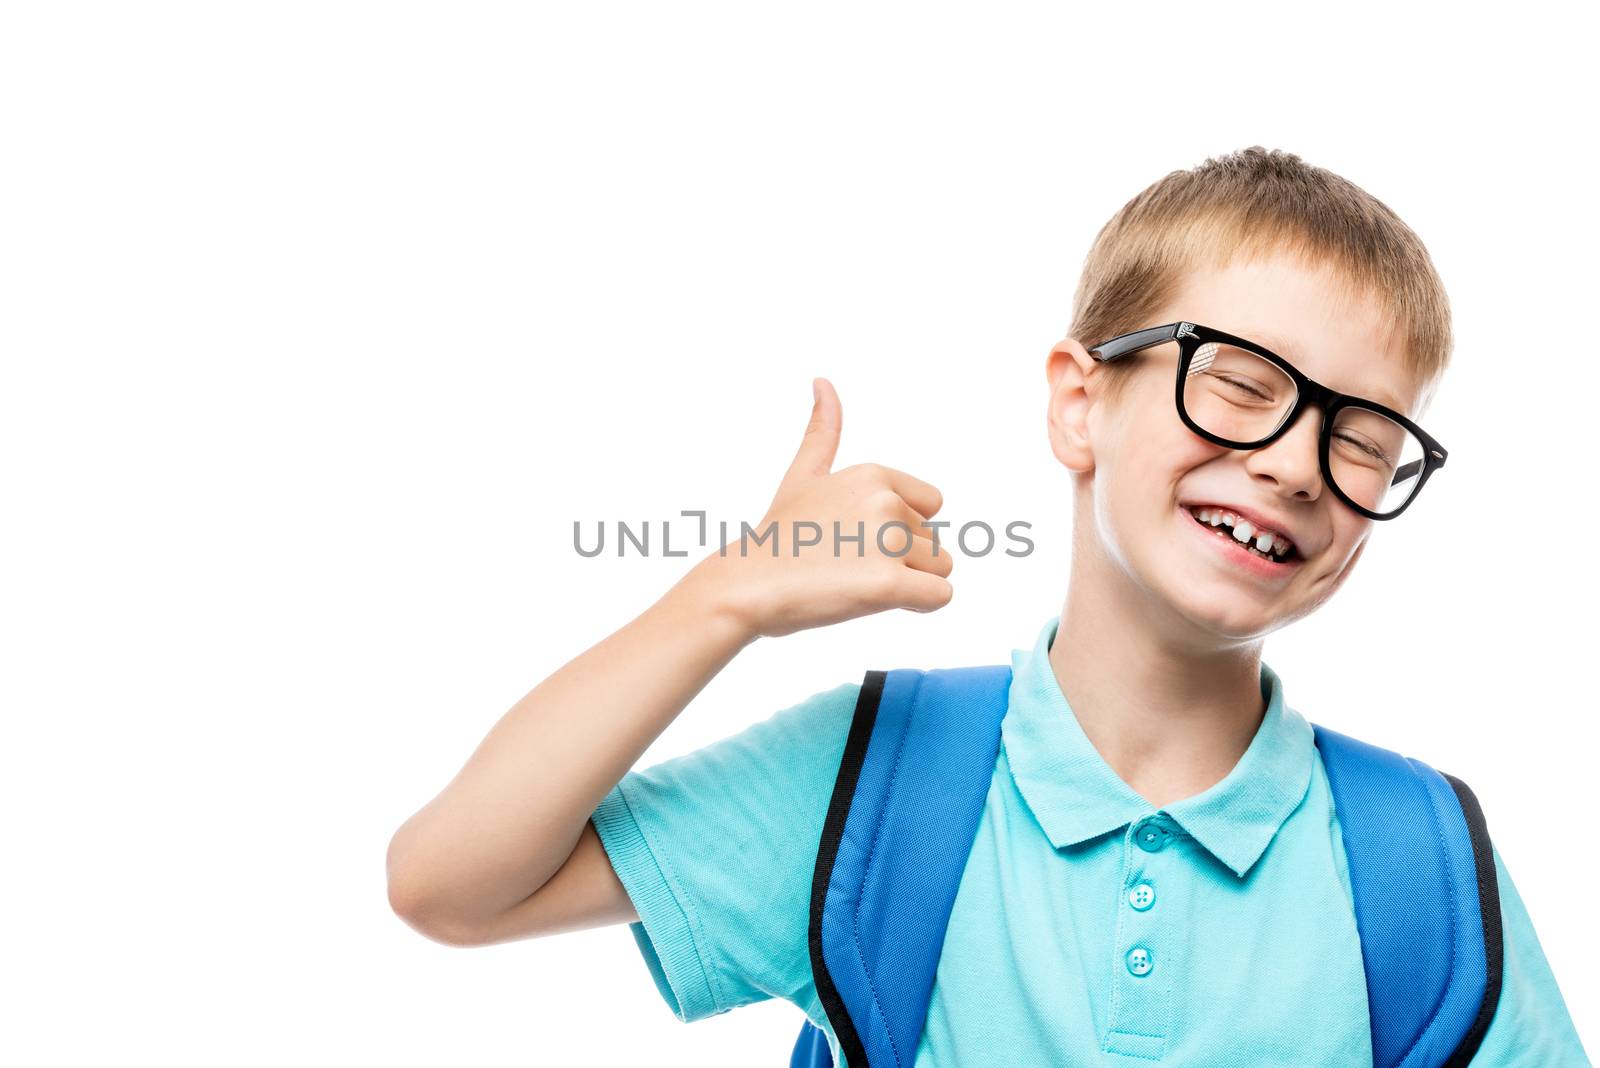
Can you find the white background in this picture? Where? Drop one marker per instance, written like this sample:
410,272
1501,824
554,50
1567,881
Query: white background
323,322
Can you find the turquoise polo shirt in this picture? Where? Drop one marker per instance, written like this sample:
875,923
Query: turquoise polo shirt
1090,928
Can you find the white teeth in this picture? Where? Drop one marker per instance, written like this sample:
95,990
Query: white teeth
1266,541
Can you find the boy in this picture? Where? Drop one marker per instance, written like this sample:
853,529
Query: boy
1205,517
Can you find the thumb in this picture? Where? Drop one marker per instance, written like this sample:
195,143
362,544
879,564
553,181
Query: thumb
821,441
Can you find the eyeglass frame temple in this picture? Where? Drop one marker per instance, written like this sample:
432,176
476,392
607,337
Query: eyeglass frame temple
1139,339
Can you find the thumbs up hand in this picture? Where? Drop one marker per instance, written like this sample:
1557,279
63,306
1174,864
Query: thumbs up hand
809,581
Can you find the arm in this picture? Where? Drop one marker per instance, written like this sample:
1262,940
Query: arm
465,869
506,849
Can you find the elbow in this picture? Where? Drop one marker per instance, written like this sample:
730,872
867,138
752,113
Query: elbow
431,919
424,913
416,900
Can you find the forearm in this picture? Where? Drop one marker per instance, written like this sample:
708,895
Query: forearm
510,818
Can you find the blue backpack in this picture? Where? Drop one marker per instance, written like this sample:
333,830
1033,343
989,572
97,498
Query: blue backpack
916,770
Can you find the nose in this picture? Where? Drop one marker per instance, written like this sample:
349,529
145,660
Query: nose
1291,463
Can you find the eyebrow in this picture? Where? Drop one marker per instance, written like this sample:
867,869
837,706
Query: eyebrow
1289,351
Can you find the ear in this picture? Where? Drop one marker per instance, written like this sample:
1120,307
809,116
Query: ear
1068,369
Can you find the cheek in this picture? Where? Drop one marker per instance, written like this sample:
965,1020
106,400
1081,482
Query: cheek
1141,428
1143,453
1349,536
1143,473
1160,453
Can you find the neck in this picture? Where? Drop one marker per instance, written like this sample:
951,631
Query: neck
1171,719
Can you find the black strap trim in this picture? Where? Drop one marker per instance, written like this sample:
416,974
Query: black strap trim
844,790
1489,910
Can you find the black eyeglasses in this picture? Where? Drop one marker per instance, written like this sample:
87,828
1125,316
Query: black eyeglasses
1239,394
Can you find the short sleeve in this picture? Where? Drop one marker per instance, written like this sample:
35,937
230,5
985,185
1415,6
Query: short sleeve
1531,1026
716,849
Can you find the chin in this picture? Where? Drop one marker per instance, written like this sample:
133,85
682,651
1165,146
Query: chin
1234,626
1228,613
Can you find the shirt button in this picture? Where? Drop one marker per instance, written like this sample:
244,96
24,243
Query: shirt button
1142,896
1152,835
1139,962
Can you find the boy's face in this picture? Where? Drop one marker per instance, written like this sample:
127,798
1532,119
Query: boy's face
1139,465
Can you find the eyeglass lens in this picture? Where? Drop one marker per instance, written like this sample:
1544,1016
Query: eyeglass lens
1242,397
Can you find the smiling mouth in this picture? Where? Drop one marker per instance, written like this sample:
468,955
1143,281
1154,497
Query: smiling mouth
1223,531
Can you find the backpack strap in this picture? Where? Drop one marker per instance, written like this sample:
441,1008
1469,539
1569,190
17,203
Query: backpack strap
911,788
1427,902
811,1048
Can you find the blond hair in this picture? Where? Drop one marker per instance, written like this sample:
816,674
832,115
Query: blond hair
1249,203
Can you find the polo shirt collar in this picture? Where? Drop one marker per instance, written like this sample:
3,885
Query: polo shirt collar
1076,796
